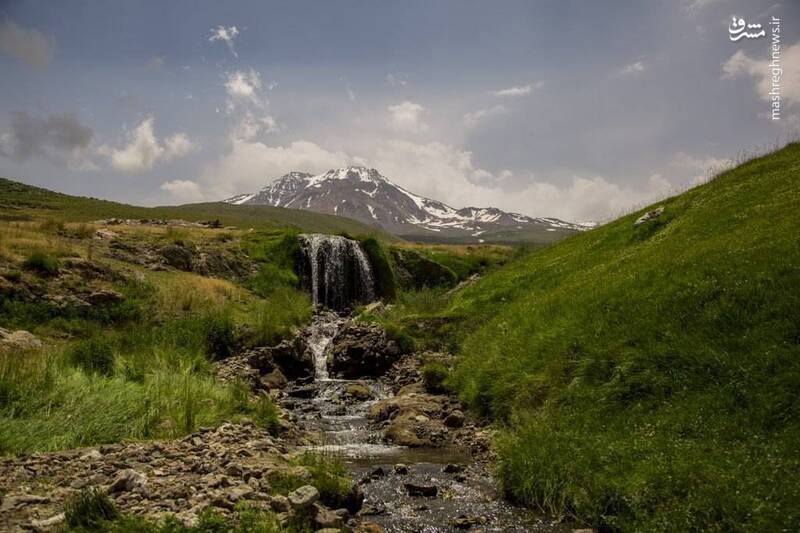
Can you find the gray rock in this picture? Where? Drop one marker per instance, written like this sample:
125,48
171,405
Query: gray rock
19,340
177,256
325,518
303,497
48,522
279,504
650,215
127,480
400,469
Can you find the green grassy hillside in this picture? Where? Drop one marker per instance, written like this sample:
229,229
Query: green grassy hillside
648,378
20,200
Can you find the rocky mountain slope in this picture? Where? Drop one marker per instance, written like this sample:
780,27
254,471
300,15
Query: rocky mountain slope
369,197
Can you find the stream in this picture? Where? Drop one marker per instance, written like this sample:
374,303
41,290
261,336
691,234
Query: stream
466,496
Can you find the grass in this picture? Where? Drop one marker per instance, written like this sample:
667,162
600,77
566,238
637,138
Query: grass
645,378
139,368
41,263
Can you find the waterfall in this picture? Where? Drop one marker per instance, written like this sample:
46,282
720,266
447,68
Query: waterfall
319,334
335,270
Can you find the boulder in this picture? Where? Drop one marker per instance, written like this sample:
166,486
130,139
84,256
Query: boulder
103,297
177,256
274,380
650,215
428,491
455,419
18,341
400,469
325,518
361,350
358,392
105,234
303,498
126,481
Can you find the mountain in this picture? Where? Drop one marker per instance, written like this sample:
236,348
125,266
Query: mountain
365,195
19,201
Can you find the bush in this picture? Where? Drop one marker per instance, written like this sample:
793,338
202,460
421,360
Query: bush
220,335
434,375
404,341
90,509
41,263
93,356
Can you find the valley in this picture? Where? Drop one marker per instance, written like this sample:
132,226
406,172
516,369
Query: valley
218,367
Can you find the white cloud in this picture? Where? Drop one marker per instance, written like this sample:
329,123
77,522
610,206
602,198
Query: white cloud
244,88
700,167
250,126
520,90
407,116
177,146
30,46
144,149
397,79
740,64
633,67
476,117
183,190
447,173
251,165
226,35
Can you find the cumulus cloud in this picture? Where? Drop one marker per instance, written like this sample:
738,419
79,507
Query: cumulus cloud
700,167
407,116
740,64
244,88
520,90
251,165
58,138
226,35
638,66
30,46
144,149
448,173
183,190
476,117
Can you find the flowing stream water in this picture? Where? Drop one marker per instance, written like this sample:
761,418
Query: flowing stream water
343,430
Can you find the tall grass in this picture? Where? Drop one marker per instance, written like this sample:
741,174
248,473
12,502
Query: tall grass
648,376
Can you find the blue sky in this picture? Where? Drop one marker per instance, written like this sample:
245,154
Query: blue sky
575,109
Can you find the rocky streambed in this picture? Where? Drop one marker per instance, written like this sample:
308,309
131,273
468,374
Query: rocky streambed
422,465
416,461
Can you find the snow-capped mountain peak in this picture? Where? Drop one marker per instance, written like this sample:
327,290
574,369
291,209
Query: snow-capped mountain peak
364,194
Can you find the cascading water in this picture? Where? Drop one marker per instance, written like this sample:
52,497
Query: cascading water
335,270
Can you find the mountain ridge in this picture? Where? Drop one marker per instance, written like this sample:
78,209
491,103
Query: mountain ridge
364,194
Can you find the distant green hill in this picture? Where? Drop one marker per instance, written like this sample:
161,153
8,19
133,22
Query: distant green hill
20,200
648,376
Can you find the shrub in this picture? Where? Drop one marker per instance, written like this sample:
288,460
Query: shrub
93,356
90,509
220,335
434,375
404,341
41,263
266,414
